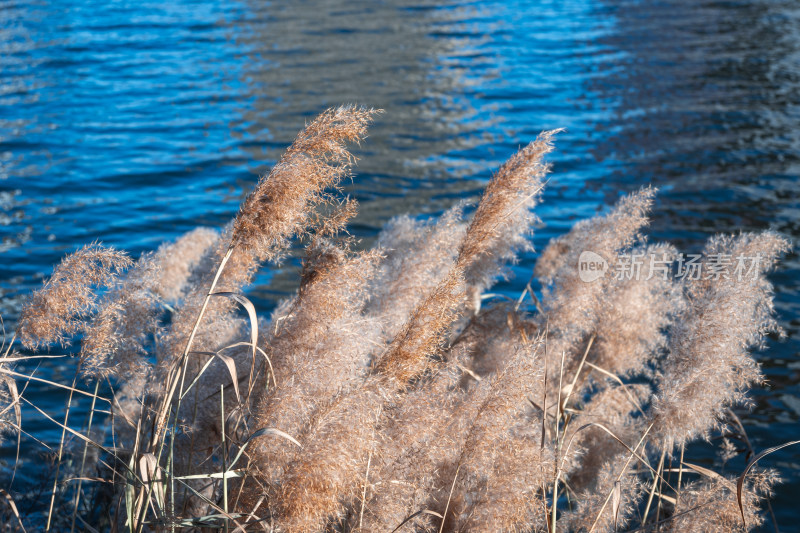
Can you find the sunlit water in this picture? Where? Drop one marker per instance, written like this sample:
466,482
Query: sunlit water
133,123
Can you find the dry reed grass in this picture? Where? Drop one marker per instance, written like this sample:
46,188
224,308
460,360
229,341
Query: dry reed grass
385,395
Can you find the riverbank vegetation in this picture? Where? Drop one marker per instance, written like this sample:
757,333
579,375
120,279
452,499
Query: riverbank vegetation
393,391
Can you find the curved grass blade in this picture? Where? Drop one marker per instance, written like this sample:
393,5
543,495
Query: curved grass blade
13,507
251,313
259,433
229,362
753,461
413,516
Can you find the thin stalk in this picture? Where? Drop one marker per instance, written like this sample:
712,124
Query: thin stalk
619,477
660,492
224,454
544,425
653,489
364,493
184,359
449,498
554,507
61,450
170,471
580,367
680,475
83,459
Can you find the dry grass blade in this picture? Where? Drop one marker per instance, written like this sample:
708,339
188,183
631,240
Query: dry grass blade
228,474
659,469
260,433
70,430
266,358
753,461
53,384
705,472
615,502
416,514
211,355
364,493
230,364
449,498
10,501
251,314
29,357
152,475
622,384
571,387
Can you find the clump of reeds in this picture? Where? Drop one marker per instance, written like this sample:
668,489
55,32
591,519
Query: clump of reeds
391,392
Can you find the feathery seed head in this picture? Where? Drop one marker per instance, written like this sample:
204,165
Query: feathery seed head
318,159
708,367
56,311
503,220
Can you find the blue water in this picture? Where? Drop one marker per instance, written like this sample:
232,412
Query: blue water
131,123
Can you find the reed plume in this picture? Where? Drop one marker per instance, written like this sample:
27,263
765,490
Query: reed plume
284,205
320,346
494,234
318,159
709,367
115,341
416,435
280,207
503,222
417,256
410,352
572,307
56,311
502,467
506,201
178,260
638,309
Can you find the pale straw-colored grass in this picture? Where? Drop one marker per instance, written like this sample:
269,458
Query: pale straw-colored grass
393,392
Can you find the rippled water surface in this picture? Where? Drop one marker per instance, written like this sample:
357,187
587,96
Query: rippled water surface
132,123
